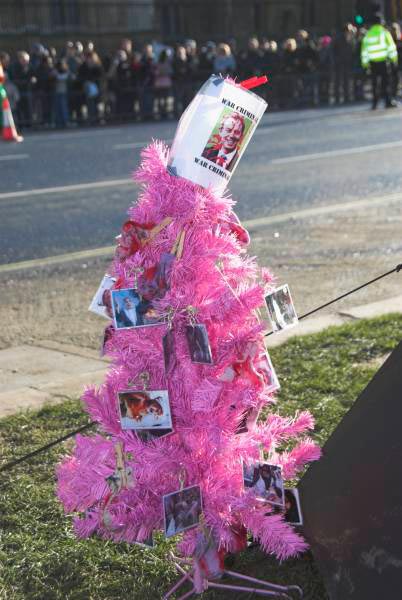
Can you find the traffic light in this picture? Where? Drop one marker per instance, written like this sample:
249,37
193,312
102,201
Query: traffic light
364,11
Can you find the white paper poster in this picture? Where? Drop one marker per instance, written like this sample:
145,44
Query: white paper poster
213,133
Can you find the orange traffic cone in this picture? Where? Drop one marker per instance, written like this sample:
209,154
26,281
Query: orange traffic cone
9,131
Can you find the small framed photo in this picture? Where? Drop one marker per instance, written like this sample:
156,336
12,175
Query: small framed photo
266,482
281,310
101,303
131,310
182,510
144,409
265,367
198,344
293,513
169,351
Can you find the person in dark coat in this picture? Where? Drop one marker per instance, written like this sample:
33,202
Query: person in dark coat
23,77
90,75
326,68
306,63
344,48
147,82
182,86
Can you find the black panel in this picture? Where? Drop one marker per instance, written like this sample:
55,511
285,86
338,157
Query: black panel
352,497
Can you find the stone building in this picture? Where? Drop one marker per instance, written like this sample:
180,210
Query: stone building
223,19
23,22
53,22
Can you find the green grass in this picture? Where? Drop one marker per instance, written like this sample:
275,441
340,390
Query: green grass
41,560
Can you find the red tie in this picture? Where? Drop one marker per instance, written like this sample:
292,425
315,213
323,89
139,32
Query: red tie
221,161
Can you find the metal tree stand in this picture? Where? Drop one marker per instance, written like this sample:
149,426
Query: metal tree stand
190,574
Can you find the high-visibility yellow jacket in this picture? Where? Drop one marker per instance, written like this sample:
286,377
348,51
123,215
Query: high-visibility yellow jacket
378,46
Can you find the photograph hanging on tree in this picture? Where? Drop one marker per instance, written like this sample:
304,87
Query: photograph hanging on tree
281,310
293,513
208,556
266,482
140,409
169,351
155,281
265,368
182,510
198,344
131,310
101,303
227,138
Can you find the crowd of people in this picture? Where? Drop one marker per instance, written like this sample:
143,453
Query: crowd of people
58,89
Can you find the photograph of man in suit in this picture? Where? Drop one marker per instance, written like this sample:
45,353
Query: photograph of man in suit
129,309
225,151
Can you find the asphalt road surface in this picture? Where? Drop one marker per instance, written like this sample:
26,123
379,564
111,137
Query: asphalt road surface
320,192
63,192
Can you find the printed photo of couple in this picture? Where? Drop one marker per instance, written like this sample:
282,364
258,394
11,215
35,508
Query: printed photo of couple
266,482
144,409
131,310
182,510
281,310
101,303
227,139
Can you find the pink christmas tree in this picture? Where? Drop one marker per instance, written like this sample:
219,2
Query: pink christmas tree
189,375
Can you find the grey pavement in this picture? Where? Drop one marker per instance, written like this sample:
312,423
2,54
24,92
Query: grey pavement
32,376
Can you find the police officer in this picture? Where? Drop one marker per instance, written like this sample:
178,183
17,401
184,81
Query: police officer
378,49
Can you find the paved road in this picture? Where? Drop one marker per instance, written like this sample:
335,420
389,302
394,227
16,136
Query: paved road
296,161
